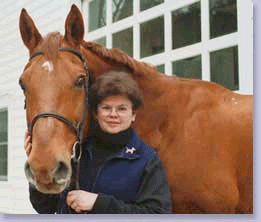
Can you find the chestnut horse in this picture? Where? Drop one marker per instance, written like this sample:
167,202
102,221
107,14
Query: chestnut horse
202,131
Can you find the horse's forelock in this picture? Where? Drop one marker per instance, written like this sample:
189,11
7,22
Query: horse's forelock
51,44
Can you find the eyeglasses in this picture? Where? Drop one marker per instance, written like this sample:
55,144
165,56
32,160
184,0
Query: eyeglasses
119,110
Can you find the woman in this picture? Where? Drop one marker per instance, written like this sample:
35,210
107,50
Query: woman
118,173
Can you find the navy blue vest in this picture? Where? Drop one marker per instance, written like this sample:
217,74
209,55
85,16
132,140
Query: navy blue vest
120,175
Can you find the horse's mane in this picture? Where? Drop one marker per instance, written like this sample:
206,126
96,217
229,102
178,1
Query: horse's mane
144,69
117,56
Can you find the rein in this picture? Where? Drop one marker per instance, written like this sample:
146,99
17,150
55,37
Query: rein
77,128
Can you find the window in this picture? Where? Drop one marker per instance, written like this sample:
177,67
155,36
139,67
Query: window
3,143
124,41
161,68
121,9
101,41
224,67
186,26
146,4
190,38
223,17
152,37
97,14
190,68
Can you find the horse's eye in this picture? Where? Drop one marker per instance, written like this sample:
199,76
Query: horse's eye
79,82
22,85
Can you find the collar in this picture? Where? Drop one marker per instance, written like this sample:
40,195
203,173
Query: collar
111,142
130,151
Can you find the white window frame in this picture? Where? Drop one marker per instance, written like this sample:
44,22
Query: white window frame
5,105
243,38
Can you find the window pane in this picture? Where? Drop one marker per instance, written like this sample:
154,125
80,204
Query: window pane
190,68
223,17
224,67
161,68
3,126
146,4
152,37
101,41
124,41
3,143
97,14
121,9
3,162
186,26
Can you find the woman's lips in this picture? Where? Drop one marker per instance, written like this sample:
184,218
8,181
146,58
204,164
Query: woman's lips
113,123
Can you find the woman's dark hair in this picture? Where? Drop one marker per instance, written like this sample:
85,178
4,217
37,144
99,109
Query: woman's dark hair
114,83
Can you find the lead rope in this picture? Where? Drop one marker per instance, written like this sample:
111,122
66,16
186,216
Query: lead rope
80,130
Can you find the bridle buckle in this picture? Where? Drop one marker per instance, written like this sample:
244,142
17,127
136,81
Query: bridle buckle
76,151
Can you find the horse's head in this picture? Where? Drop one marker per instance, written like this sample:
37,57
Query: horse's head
53,82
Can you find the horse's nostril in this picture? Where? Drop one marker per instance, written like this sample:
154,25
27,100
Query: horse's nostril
61,172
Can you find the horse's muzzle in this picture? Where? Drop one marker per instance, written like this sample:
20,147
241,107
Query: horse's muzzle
54,181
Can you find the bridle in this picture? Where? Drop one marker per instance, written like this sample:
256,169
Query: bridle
77,128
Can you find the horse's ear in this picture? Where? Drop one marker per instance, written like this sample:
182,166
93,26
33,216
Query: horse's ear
30,34
74,26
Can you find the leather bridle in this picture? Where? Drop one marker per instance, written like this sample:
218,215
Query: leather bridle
77,128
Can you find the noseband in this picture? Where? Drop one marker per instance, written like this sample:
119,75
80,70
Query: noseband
77,128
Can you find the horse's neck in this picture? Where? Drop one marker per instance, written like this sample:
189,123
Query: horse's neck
152,119
152,83
96,65
101,60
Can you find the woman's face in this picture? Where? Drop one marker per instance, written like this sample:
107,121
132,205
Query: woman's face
115,114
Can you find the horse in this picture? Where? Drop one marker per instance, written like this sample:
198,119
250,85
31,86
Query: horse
203,132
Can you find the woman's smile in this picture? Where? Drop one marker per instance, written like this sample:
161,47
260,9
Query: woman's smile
113,123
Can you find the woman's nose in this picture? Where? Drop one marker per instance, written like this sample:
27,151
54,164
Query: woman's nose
114,112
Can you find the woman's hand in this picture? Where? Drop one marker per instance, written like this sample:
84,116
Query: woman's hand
80,200
27,142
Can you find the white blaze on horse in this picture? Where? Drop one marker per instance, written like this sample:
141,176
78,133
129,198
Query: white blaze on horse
202,131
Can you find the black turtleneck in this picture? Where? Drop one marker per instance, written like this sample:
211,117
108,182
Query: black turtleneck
108,144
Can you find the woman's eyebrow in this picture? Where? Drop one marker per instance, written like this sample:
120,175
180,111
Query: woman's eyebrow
105,104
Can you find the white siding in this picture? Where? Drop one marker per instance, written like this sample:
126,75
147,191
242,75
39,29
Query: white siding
49,15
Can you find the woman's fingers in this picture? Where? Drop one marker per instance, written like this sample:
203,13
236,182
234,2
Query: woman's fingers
26,132
27,142
73,203
81,200
70,199
28,149
75,206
